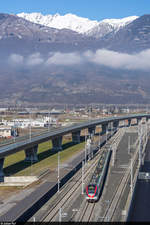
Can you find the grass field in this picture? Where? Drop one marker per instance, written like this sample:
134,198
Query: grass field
15,164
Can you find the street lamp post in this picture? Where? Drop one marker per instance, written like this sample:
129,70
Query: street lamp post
82,177
60,215
129,145
99,139
85,146
48,120
131,175
106,134
58,171
30,127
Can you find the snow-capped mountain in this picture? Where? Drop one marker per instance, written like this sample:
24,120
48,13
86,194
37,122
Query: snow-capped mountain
68,21
79,24
47,65
108,25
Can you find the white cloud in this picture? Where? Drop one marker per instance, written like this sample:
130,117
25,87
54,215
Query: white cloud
34,59
65,59
138,61
16,59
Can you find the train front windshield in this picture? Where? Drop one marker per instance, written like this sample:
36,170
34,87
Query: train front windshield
91,189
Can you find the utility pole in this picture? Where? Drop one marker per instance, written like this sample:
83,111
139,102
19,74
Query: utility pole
113,156
140,156
131,175
58,170
60,215
49,120
85,146
92,146
82,177
14,133
111,129
31,167
99,139
90,149
146,131
30,127
106,134
129,147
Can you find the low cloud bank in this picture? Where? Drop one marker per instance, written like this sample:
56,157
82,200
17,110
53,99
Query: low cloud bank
139,61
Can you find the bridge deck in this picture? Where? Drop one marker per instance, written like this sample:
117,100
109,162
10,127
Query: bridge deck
20,145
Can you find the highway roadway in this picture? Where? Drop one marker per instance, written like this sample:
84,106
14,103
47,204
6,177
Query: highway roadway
28,143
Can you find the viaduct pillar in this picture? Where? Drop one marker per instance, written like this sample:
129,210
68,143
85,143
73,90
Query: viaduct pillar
1,170
31,154
91,130
115,124
138,120
57,143
104,128
129,122
76,137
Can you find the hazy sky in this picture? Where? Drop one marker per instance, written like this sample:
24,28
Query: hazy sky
93,9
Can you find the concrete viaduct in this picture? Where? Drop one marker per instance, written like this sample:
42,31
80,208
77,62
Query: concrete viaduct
30,146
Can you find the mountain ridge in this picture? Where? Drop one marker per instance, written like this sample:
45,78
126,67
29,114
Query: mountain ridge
42,64
79,24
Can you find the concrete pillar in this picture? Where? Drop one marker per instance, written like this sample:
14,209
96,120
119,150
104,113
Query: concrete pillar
147,119
57,143
76,137
1,170
31,154
129,122
138,120
91,130
115,124
104,128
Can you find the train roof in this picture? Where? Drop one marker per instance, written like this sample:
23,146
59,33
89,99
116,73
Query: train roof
99,168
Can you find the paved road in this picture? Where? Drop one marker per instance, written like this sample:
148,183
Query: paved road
140,210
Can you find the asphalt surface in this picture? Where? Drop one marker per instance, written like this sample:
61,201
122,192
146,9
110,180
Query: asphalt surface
140,209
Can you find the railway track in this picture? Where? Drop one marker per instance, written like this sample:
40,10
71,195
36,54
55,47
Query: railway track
88,210
109,213
71,193
87,213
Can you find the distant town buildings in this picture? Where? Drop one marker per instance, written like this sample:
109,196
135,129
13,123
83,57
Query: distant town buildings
5,131
27,122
